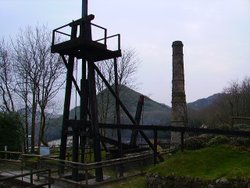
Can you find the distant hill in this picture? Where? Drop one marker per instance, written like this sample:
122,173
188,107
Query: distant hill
205,102
204,111
154,113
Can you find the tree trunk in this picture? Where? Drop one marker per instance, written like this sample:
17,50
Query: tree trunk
42,128
33,121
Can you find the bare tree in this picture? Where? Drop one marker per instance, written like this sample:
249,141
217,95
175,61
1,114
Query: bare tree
52,69
238,98
6,78
9,86
41,72
106,67
245,97
233,97
21,89
127,66
233,102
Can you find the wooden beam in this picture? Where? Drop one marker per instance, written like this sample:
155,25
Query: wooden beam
179,129
94,120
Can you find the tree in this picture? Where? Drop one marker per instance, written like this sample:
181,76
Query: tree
39,74
233,102
233,96
52,70
239,98
127,66
11,132
23,92
245,97
6,78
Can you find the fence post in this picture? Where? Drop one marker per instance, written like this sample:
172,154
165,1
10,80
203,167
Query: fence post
31,176
141,164
155,146
49,178
182,141
86,177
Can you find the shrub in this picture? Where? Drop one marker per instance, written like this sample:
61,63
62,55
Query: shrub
245,142
197,142
217,140
11,133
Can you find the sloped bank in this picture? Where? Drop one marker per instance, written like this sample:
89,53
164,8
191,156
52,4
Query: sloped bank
157,181
212,167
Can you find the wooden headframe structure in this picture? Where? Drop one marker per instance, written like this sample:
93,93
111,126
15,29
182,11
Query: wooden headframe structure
75,41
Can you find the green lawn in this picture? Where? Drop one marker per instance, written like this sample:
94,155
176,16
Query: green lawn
138,181
208,164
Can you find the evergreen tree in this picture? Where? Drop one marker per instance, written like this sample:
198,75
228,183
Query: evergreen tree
11,132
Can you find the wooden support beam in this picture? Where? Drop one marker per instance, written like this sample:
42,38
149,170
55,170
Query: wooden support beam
114,95
70,69
117,106
84,101
72,77
75,152
94,119
122,106
66,108
155,146
241,117
179,129
138,113
117,110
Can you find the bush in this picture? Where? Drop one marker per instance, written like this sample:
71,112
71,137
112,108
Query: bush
11,133
197,142
202,141
245,142
217,140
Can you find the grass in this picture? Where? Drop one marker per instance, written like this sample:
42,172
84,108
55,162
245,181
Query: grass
7,166
208,163
138,181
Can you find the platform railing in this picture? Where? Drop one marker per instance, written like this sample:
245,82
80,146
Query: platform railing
35,164
63,33
30,177
10,156
134,165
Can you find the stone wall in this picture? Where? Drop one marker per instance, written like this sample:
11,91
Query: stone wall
156,181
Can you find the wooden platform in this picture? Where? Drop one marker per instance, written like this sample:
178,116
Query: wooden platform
83,49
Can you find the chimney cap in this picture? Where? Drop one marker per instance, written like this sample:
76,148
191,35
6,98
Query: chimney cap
177,43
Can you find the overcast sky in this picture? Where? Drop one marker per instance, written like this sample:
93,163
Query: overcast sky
215,34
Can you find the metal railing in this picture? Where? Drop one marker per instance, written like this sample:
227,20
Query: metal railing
58,35
10,156
31,177
37,164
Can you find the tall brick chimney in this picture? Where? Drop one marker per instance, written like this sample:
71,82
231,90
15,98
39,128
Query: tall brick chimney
179,106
